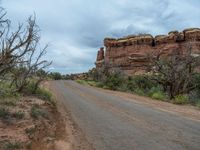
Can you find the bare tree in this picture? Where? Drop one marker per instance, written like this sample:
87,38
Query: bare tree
14,45
20,54
28,69
175,73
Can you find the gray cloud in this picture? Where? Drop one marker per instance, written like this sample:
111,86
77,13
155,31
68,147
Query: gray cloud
75,29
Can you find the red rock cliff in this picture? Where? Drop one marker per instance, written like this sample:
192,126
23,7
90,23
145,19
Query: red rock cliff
100,58
130,53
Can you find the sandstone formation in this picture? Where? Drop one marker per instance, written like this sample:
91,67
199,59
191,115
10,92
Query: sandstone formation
100,58
130,53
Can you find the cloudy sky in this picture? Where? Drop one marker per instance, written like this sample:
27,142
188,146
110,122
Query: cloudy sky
75,29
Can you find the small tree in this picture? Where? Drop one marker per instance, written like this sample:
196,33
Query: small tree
175,73
55,75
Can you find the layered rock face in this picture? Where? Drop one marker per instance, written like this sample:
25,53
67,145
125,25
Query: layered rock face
130,54
100,58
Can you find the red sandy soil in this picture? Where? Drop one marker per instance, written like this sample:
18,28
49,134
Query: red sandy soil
44,133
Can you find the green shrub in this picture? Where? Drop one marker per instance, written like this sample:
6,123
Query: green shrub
180,99
196,81
99,84
194,97
37,112
4,113
55,76
13,145
44,94
39,92
114,81
106,87
9,101
92,83
123,87
30,88
6,91
130,84
198,105
139,92
154,90
143,82
19,115
139,82
158,95
81,82
30,131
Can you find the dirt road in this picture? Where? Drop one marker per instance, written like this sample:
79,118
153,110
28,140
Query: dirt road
119,121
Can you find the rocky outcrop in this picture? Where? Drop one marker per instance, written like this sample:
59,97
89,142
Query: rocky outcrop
100,58
192,33
130,53
100,55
